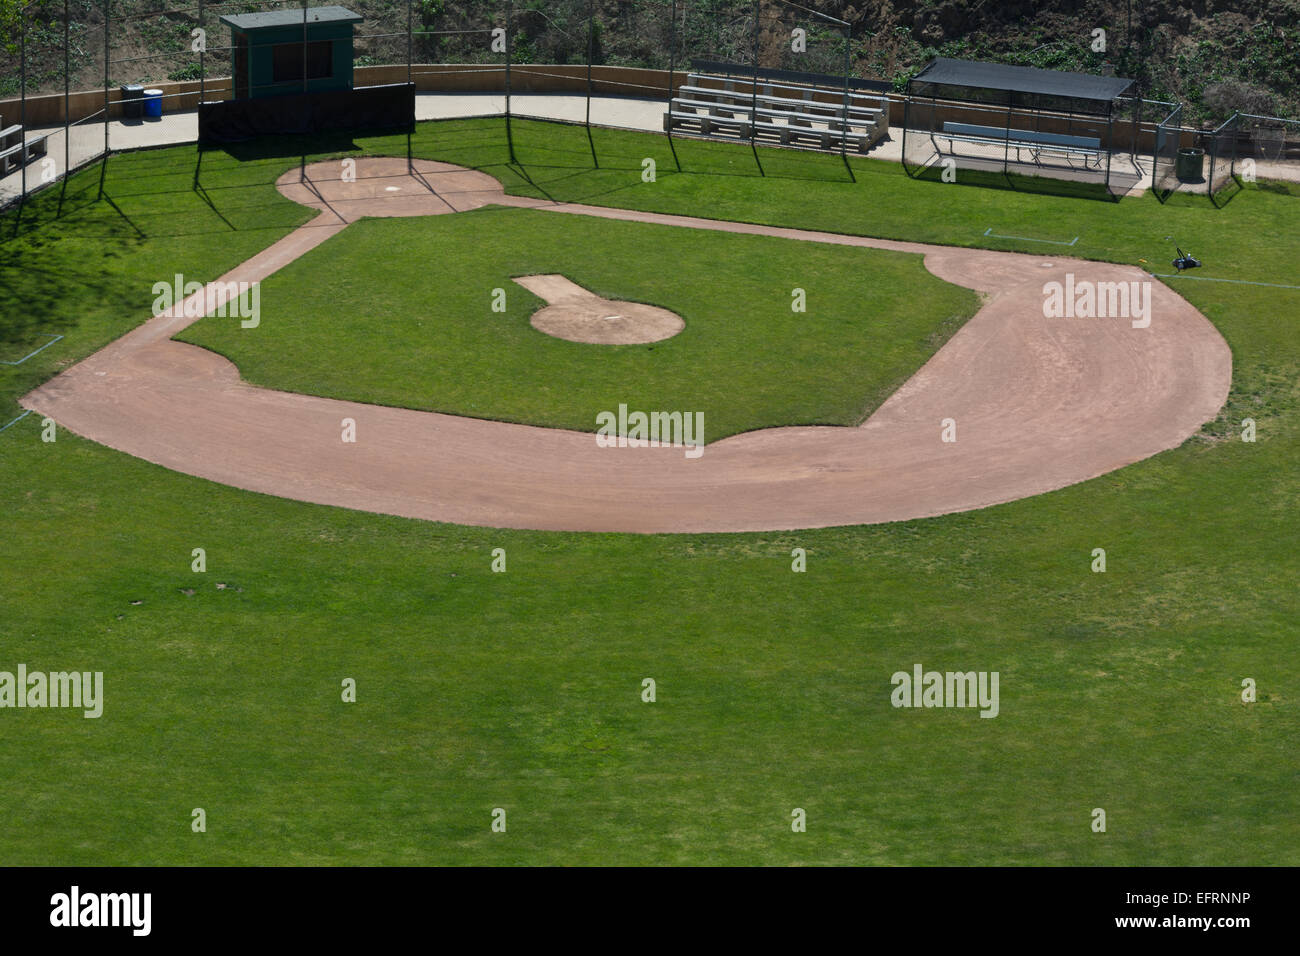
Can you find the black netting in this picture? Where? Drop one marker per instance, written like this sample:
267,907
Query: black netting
1027,140
56,48
1223,148
1266,147
1164,154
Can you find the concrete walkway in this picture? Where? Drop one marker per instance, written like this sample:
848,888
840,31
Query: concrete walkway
174,129
620,112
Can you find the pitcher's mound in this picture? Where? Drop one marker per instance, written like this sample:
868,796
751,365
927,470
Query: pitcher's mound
575,314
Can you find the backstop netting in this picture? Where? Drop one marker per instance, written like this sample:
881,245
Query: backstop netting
1222,150
52,49
1164,153
568,46
459,48
1267,147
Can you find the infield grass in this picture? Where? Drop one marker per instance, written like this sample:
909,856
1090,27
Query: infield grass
399,312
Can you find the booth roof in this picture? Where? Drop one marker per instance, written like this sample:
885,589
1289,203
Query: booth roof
1022,79
289,17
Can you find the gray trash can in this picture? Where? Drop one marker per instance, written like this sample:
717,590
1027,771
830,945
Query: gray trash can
132,100
1188,165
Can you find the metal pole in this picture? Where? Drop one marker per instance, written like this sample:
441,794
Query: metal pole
1137,125
202,49
672,69
1236,142
907,115
591,51
672,64
753,114
1110,139
22,96
1006,148
844,133
510,139
107,10
67,89
302,156
410,55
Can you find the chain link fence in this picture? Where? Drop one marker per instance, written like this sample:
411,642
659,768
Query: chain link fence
1164,154
72,73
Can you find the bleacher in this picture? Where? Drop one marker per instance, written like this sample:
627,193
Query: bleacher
15,152
793,109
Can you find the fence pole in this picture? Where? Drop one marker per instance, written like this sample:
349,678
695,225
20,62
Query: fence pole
1110,139
1137,126
591,48
22,97
844,133
1006,148
672,68
203,95
410,55
104,164
510,139
67,90
753,113
1236,145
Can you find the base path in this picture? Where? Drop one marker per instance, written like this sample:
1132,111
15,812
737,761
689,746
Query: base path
1037,403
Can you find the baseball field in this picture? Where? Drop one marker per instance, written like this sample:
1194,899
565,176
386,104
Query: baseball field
499,590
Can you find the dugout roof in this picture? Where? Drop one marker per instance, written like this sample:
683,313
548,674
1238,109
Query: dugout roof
289,18
943,71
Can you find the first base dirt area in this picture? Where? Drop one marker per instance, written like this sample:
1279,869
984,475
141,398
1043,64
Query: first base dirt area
1034,403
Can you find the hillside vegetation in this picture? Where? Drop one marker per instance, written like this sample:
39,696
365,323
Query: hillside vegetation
1214,55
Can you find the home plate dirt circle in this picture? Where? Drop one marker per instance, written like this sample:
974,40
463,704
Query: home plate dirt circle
577,315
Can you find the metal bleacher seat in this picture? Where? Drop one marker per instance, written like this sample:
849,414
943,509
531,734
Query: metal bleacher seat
15,152
717,105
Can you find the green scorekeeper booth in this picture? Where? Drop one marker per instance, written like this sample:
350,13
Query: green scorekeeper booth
291,72
283,51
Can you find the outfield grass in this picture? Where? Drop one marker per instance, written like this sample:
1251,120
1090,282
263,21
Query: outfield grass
522,690
399,312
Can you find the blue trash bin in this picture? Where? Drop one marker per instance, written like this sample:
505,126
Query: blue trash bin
153,103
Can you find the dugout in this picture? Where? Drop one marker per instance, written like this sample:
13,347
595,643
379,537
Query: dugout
291,72
1013,120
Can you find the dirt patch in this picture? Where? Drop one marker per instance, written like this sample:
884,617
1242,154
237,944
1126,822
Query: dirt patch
577,315
1039,404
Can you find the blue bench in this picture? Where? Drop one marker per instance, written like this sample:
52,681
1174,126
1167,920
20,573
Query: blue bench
1089,147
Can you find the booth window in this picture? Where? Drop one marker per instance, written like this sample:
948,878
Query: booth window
287,61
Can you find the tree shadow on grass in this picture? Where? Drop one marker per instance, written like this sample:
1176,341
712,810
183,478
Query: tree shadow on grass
46,289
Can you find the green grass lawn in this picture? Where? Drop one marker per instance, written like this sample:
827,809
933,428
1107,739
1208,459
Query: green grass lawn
398,312
522,690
